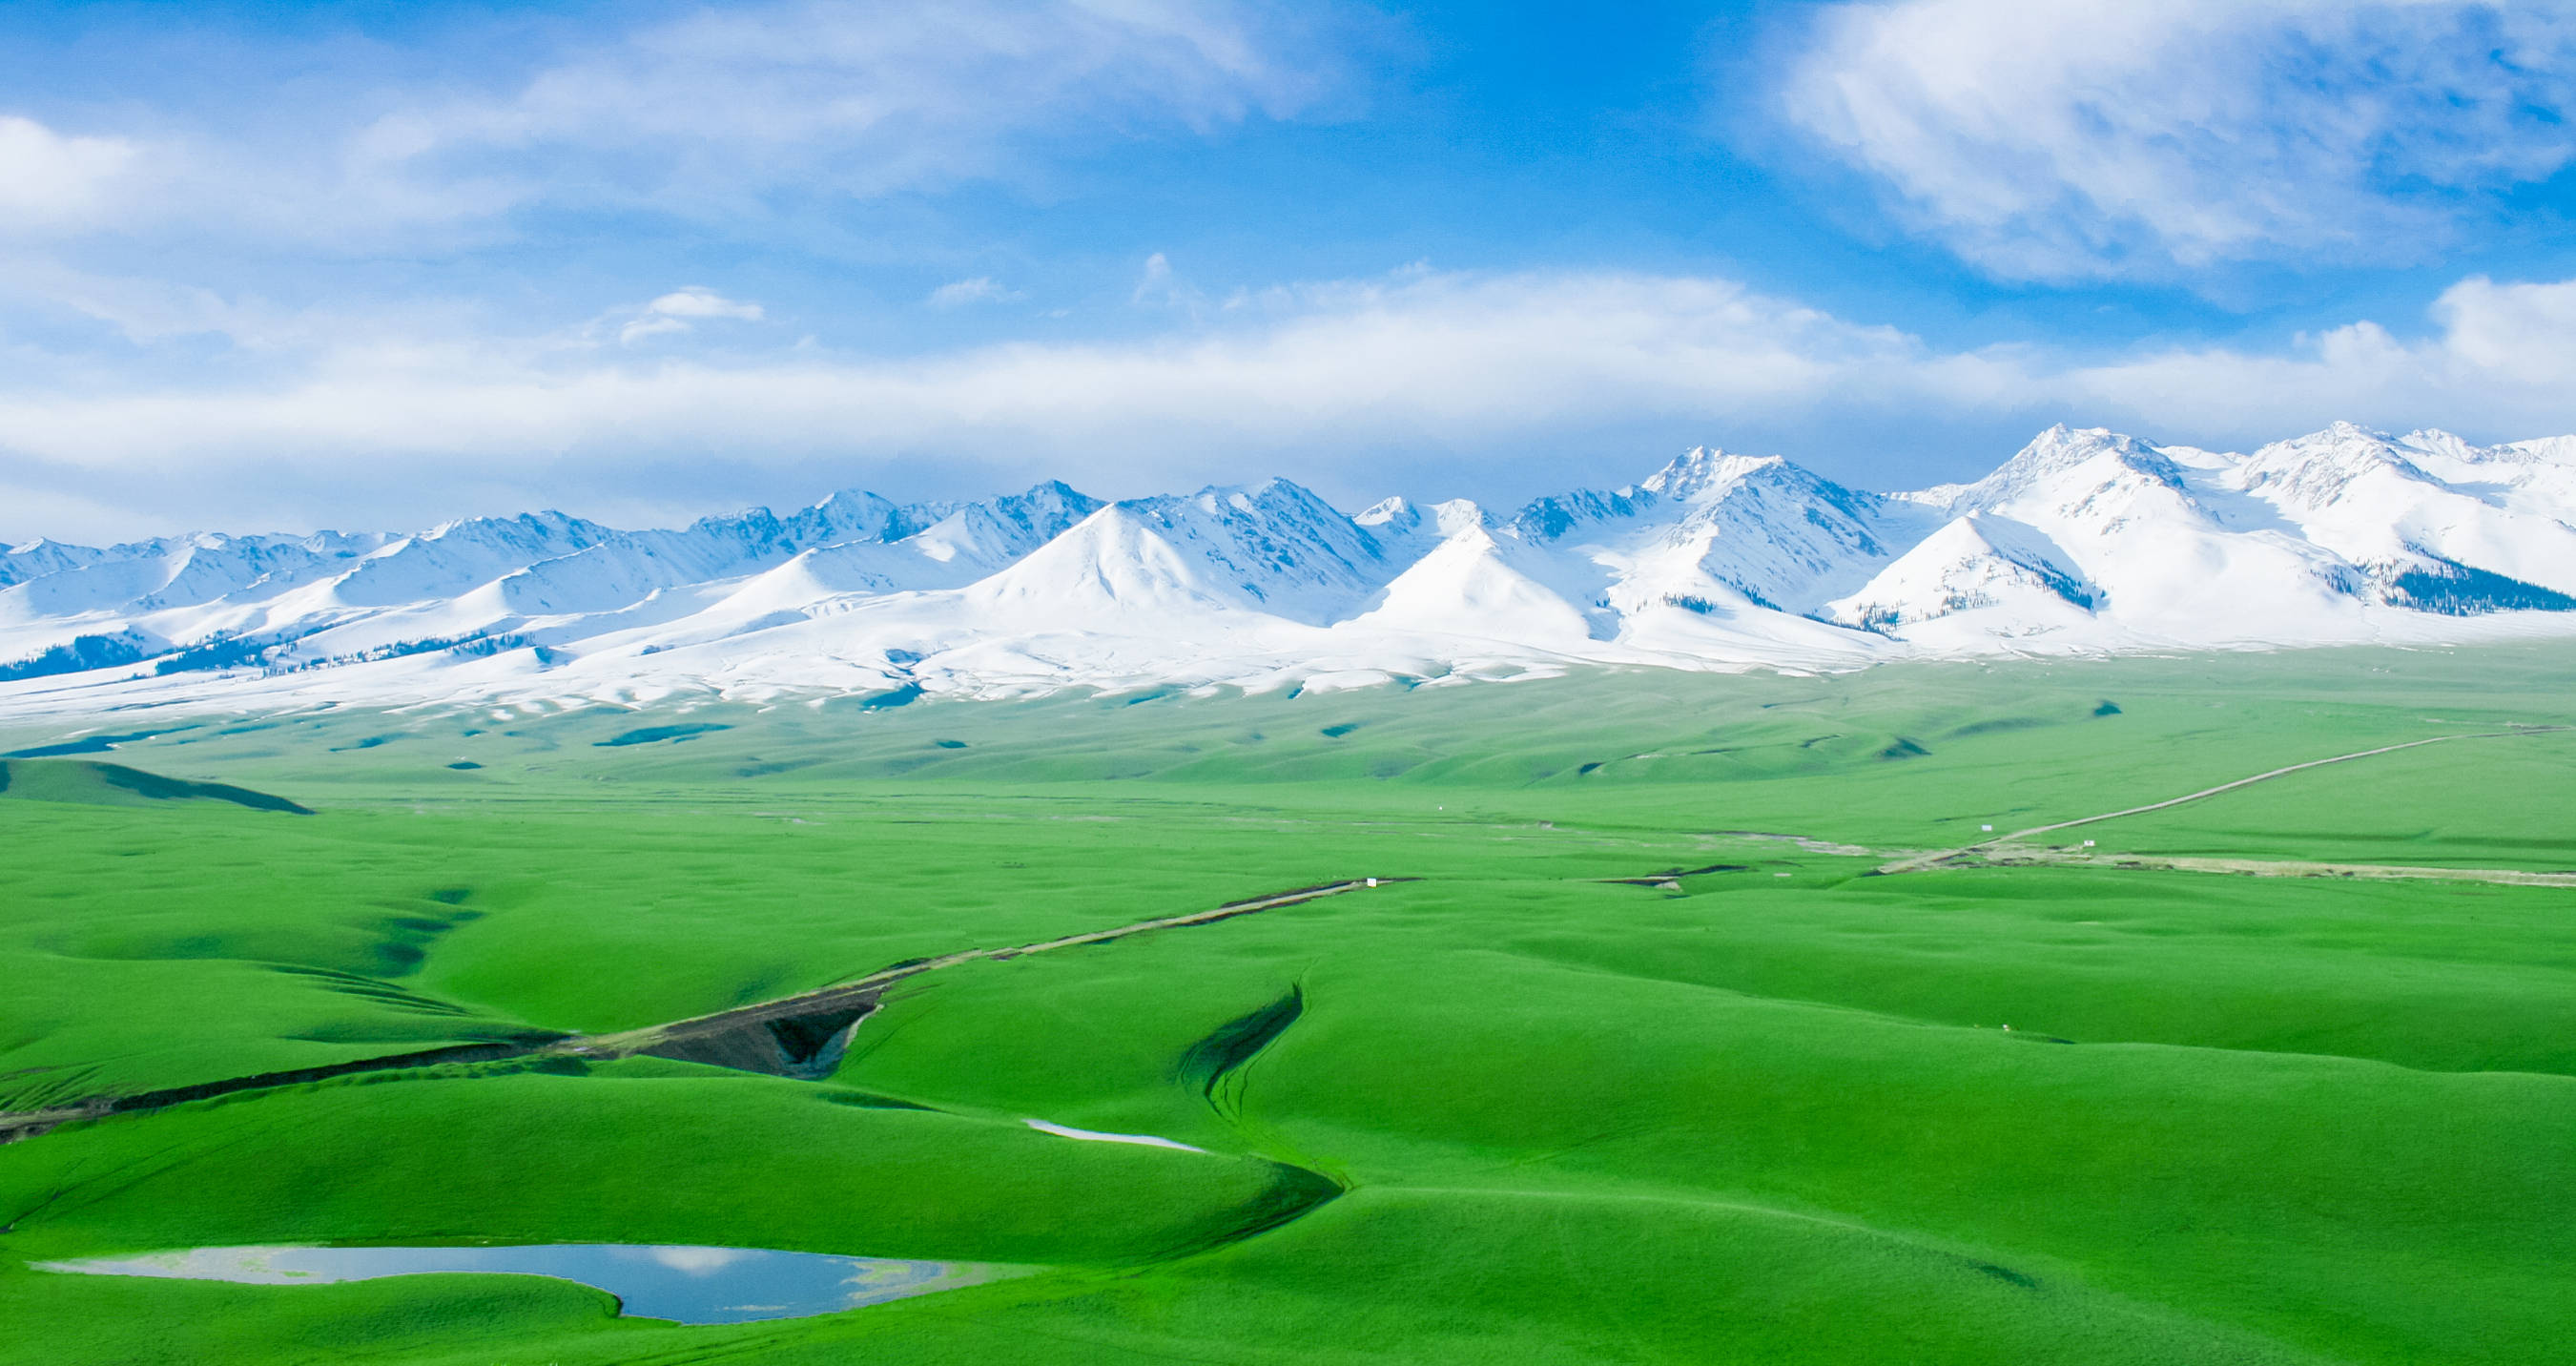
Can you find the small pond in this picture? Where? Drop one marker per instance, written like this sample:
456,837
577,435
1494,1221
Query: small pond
683,1284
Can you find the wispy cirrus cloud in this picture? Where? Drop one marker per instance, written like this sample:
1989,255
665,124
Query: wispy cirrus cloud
861,99
2053,141
722,114
980,289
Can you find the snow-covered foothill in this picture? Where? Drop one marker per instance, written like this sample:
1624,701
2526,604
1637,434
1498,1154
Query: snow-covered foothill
2083,541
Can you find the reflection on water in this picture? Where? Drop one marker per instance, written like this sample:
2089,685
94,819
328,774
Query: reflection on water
684,1284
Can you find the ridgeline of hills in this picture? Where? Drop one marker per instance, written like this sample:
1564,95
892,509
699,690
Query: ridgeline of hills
2085,541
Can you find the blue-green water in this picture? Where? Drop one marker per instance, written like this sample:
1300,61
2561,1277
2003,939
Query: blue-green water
683,1284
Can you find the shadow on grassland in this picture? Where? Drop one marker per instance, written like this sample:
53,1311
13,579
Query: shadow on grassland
88,783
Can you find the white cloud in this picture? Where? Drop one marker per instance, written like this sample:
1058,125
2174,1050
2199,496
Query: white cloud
698,301
2498,363
1157,286
50,179
2522,332
1335,361
673,313
1322,380
726,115
2049,140
725,105
641,329
982,289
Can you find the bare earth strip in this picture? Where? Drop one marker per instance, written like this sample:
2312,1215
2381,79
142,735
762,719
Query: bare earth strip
861,994
1923,861
772,1024
2244,867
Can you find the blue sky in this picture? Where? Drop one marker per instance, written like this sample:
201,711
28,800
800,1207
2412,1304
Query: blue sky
380,264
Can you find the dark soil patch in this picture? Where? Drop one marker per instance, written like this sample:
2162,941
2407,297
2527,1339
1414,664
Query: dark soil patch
805,1047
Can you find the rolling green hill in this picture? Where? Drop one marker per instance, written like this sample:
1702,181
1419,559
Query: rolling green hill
1649,1060
98,784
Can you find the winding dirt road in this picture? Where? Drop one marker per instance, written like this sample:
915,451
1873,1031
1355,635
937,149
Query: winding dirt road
1933,860
771,1036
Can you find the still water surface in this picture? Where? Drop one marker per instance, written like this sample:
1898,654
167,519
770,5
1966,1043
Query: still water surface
684,1284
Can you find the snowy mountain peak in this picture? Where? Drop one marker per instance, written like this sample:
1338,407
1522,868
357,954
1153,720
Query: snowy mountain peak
1272,548
2319,469
2100,454
1474,584
850,515
2556,450
2084,540
1454,515
1398,524
1045,511
1055,494
527,529
1977,563
1558,515
1275,497
983,536
1396,514
1113,561
1704,470
2435,441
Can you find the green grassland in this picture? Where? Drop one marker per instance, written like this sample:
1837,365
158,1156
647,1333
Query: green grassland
1646,1062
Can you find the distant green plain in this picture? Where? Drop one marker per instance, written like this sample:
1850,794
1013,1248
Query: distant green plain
1767,1112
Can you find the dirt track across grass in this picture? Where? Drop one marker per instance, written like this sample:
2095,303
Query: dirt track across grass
795,1036
1920,862
2009,857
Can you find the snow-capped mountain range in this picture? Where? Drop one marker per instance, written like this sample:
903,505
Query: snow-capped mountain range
2085,541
